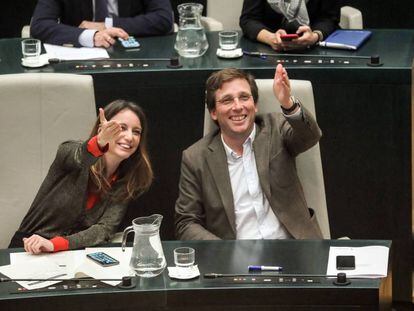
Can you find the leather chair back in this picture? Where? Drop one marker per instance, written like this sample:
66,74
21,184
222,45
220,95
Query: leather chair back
308,164
38,111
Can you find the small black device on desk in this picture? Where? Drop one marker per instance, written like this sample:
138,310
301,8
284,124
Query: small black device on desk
345,262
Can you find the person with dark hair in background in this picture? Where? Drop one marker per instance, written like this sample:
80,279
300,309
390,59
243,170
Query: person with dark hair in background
267,21
98,23
85,194
240,181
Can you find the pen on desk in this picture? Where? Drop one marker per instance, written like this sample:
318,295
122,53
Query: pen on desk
265,268
46,279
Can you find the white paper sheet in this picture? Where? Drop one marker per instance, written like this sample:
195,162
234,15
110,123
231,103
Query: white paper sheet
35,268
66,265
370,261
71,53
94,270
68,260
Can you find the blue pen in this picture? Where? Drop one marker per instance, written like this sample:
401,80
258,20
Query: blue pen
265,268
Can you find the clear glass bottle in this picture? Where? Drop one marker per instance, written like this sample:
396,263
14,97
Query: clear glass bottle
191,40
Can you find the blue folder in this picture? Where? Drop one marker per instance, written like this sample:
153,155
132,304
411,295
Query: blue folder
346,39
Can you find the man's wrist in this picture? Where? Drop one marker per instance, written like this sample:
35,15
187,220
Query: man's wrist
294,105
319,34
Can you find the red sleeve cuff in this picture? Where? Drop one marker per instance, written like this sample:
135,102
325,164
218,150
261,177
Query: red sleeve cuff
59,244
94,149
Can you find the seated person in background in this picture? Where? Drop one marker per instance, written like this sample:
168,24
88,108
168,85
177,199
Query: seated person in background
240,181
85,194
266,20
99,22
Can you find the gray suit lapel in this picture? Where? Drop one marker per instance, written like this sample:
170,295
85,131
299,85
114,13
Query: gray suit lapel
261,147
217,163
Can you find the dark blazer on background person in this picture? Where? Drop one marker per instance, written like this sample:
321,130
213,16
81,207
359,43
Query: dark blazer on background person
57,21
257,15
205,208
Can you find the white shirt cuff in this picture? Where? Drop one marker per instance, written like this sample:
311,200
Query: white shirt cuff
86,38
109,22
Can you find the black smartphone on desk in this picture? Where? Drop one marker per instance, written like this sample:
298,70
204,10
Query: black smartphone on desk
103,259
345,262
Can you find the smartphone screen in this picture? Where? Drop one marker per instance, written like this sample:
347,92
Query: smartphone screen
103,259
289,37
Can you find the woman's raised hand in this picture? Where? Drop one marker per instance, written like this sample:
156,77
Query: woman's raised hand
108,130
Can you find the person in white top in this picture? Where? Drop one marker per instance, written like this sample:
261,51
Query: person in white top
240,181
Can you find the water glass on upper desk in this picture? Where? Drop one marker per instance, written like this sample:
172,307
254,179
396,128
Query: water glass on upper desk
31,49
228,40
184,256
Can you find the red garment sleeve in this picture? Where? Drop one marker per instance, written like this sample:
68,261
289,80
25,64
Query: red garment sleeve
94,148
59,244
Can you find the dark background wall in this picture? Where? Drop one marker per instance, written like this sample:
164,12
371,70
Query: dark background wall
377,13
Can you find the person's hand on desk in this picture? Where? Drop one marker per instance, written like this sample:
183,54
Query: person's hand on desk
37,244
107,37
306,37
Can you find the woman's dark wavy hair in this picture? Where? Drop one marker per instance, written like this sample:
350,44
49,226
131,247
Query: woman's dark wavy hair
134,175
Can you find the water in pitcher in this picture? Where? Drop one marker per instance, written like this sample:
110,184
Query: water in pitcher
147,259
191,40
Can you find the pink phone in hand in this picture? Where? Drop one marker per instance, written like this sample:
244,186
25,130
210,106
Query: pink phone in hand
289,37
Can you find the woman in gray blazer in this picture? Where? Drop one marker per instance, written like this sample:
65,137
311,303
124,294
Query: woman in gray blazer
84,196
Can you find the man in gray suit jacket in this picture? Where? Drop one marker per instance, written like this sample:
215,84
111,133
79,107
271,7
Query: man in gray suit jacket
240,182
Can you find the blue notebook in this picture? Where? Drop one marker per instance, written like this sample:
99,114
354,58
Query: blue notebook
346,39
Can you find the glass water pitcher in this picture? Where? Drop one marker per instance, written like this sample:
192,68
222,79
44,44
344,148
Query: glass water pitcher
147,259
191,40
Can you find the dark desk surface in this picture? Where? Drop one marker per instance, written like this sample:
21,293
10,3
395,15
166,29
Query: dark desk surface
364,113
393,46
298,257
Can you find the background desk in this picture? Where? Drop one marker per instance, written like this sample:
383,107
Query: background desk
364,112
163,293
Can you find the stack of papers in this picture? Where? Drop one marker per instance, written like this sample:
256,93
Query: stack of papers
370,261
71,53
66,265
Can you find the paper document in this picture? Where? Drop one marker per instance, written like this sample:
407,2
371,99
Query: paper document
66,265
370,261
71,53
35,268
94,270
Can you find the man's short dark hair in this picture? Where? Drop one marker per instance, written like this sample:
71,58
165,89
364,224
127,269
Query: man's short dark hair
218,78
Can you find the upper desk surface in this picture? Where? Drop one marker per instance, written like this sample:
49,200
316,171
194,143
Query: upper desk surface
395,48
295,256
